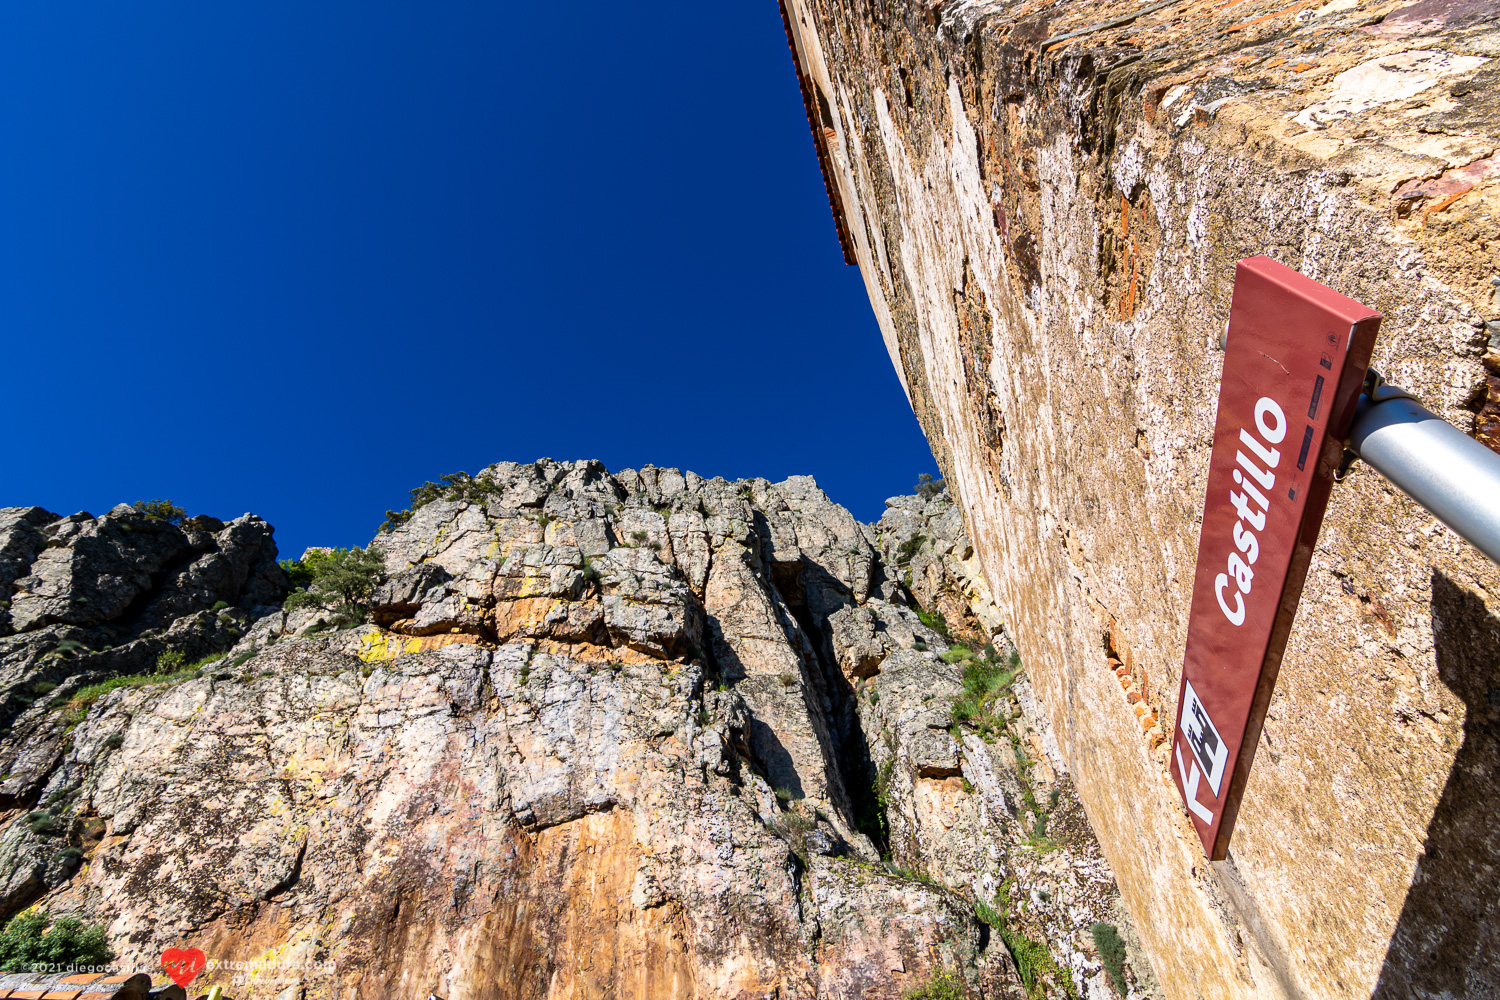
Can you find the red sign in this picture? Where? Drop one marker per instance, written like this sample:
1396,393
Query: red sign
1293,365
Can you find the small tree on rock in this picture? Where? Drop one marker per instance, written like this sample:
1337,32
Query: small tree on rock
927,487
342,580
161,510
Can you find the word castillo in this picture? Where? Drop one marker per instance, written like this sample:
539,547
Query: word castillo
1270,421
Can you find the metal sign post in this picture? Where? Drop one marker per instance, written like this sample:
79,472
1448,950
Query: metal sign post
1294,363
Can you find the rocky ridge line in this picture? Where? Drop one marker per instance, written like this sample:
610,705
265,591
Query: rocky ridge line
645,734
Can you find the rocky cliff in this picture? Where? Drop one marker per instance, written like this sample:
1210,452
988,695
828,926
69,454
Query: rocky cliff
1046,200
639,734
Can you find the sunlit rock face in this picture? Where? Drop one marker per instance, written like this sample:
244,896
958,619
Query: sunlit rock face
639,734
1046,201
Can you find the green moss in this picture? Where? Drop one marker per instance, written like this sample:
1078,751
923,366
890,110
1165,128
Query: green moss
943,985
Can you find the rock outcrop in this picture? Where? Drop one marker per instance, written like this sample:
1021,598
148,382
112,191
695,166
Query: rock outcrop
633,735
1046,201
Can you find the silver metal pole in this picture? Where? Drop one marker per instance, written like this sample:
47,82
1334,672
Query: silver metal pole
1433,462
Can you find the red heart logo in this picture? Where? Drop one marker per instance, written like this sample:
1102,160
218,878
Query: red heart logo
183,964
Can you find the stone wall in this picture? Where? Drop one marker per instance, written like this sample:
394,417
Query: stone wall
1046,201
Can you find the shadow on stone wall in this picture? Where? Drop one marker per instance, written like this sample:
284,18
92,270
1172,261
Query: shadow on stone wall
1447,942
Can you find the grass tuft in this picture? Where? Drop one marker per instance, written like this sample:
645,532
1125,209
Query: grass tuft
1111,953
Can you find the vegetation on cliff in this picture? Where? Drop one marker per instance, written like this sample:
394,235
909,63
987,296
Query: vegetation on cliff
33,941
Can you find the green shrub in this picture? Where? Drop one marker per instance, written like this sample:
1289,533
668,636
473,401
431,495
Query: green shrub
870,802
41,822
297,571
591,574
28,943
43,687
454,486
984,680
908,549
1112,953
936,622
72,716
219,606
170,661
161,510
68,647
927,487
1033,960
342,580
943,985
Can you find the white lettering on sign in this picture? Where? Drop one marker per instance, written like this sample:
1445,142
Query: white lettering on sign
1190,777
1247,476
1204,739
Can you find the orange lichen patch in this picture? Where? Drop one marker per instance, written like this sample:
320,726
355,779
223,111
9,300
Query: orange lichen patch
1443,204
522,614
381,645
1446,188
587,652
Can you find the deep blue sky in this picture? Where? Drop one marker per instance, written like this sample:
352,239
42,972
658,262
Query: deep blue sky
296,258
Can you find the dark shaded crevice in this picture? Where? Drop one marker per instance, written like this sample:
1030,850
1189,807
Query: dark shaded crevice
292,878
125,622
851,749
